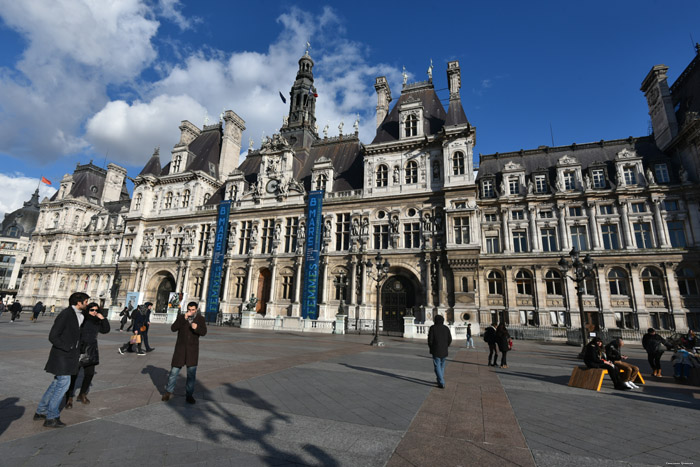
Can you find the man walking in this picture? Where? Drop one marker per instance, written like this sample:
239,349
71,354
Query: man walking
439,339
36,310
189,327
15,309
470,340
63,359
490,339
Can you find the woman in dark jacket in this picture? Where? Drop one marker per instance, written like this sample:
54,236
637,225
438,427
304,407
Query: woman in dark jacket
126,316
93,324
652,343
594,357
502,338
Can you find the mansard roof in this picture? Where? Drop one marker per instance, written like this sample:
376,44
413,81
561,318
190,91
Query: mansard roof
455,113
589,154
152,167
433,112
685,92
206,149
88,181
24,218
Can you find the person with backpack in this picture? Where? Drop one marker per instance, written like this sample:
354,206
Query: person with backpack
490,339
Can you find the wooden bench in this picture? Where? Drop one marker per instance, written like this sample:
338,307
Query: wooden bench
592,378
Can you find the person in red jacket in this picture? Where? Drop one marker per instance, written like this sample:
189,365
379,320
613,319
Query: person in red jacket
189,326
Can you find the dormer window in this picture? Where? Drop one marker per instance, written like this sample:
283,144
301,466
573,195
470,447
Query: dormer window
458,163
185,198
598,178
629,174
321,182
569,180
661,173
411,172
382,176
411,126
168,200
514,186
540,184
137,202
177,160
487,189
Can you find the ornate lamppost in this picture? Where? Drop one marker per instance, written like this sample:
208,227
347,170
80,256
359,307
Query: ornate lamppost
340,282
582,269
382,271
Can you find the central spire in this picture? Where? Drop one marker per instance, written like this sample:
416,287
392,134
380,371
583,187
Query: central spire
300,126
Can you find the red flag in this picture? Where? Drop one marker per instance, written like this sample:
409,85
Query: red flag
46,180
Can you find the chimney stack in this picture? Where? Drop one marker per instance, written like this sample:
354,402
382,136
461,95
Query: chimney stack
383,98
454,79
231,144
663,118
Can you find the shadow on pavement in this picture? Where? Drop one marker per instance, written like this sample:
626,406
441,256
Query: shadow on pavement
216,422
159,376
9,412
391,375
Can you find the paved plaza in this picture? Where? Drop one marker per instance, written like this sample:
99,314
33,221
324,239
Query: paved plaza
267,398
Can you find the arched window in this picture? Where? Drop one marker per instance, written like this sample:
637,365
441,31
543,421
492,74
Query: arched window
687,283
523,282
411,126
382,175
617,279
411,172
168,200
13,231
185,198
554,284
321,182
495,281
137,202
458,163
651,281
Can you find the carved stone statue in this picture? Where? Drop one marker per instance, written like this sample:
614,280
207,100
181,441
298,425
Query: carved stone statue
430,70
325,131
650,177
427,224
356,125
340,127
278,232
365,226
530,187
254,234
285,120
560,183
327,229
396,175
301,231
587,182
316,128
503,188
394,224
405,75
683,175
355,227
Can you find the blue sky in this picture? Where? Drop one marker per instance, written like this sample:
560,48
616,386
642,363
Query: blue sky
108,81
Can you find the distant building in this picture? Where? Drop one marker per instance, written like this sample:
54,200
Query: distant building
475,248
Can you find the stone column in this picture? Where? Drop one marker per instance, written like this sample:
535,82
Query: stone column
363,285
273,280
323,273
661,233
205,283
625,221
534,238
563,231
507,246
298,279
427,280
249,280
227,283
143,277
185,278
593,226
439,281
637,296
352,287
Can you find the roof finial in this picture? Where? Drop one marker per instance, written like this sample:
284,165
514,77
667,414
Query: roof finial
308,46
156,151
206,118
405,75
430,70
697,48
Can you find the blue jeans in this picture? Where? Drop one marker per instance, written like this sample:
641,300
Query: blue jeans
439,364
189,386
470,342
53,396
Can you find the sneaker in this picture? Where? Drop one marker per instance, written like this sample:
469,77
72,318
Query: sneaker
141,353
628,384
121,350
39,416
190,400
54,423
634,386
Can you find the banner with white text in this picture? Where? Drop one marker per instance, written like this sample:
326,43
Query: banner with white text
314,224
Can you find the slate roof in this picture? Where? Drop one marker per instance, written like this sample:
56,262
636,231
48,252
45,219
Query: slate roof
152,167
603,152
685,92
455,113
24,218
433,112
88,181
207,149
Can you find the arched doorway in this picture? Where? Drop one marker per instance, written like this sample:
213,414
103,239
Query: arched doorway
264,282
398,295
166,286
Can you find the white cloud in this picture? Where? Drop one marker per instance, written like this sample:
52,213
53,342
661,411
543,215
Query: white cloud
17,189
170,9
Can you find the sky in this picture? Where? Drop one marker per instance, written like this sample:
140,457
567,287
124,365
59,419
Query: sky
110,80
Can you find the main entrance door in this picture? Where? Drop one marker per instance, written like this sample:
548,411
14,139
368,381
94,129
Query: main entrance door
264,282
397,295
166,286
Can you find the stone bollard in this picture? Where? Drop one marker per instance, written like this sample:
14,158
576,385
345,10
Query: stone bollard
409,327
247,318
339,324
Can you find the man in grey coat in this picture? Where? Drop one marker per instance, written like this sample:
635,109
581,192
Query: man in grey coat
439,339
63,359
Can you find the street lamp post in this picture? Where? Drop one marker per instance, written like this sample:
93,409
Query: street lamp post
340,283
382,267
582,269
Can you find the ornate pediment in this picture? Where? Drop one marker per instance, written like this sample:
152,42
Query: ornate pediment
567,160
512,166
627,154
275,144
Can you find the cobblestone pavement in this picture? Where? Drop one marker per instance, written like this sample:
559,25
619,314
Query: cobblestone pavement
268,398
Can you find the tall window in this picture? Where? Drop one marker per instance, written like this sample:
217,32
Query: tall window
321,182
687,282
642,234
671,205
661,173
651,281
605,209
598,178
617,279
575,211
554,283
549,239
676,233
287,287
177,247
436,170
517,214
495,281
411,126
290,234
523,282
137,202
160,249
639,207
569,183
487,189
198,282
630,175
340,292
128,246
458,163
244,238
381,237
177,160
342,232
411,235
493,244
461,230
514,186
382,175
540,184
239,288
185,198
578,237
609,232
411,171
519,241
168,200
268,230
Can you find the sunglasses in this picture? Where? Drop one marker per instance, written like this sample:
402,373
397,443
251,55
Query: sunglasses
93,309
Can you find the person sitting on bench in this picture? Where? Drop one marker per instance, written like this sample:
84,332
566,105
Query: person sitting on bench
614,353
594,357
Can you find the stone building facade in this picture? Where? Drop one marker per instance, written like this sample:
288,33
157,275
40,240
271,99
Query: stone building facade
475,248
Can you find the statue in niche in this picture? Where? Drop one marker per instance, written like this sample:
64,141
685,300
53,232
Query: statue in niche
587,182
396,175
394,224
365,226
301,232
530,187
683,175
278,233
355,227
427,224
650,177
503,188
327,229
254,234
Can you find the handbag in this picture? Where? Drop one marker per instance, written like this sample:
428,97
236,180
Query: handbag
142,329
135,339
88,355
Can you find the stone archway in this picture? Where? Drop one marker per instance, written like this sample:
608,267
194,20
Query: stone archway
399,295
165,286
264,284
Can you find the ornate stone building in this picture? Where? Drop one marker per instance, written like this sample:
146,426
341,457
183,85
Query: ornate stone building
474,248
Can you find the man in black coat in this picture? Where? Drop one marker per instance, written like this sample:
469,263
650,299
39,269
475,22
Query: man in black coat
439,339
15,309
63,359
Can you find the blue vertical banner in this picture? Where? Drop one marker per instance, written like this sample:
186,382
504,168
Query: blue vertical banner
217,262
312,253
